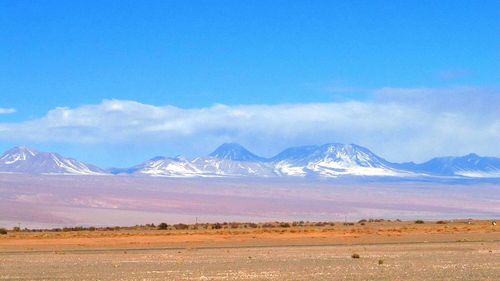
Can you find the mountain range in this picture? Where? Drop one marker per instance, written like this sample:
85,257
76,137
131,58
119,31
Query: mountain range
233,160
30,161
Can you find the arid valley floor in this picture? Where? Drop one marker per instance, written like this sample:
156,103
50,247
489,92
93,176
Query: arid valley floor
56,201
388,250
456,250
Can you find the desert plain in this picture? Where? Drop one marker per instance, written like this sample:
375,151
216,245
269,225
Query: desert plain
464,245
376,250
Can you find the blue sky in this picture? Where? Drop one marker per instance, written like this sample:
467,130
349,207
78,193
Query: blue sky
432,57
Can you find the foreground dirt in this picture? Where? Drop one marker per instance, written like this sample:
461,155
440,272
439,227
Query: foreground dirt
387,250
436,261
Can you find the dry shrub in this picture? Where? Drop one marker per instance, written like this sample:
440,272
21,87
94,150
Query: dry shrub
181,226
268,225
163,226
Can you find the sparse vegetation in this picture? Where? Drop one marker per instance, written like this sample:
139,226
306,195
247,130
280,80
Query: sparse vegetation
371,220
277,226
324,224
181,226
380,261
163,226
355,256
3,231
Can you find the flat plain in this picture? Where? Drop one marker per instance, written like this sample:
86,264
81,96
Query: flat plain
454,250
44,201
388,250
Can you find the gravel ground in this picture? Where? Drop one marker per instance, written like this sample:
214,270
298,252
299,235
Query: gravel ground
420,261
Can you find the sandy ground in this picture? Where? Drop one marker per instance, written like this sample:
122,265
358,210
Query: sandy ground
436,261
407,251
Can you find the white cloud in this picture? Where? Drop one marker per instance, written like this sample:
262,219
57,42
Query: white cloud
398,124
7,110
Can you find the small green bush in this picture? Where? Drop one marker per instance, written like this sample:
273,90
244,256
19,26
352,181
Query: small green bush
355,256
419,221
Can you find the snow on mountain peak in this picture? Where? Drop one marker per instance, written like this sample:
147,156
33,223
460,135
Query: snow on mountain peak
470,165
233,160
333,159
234,152
352,155
346,154
26,160
19,153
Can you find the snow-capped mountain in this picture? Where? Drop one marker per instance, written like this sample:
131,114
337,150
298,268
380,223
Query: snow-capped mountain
326,161
229,159
470,165
235,152
223,167
332,160
30,161
232,160
167,167
329,160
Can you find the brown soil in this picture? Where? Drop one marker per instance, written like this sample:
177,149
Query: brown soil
370,233
387,250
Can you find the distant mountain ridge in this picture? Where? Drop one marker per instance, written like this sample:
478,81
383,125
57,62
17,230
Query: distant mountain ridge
470,165
30,161
233,160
